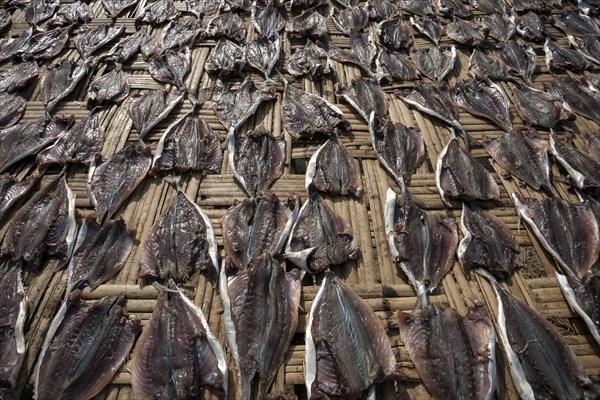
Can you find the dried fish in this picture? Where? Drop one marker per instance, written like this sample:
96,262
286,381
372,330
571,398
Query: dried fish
157,13
91,40
263,53
472,34
9,47
342,56
583,169
593,146
200,8
72,14
518,59
558,58
366,96
536,6
576,96
433,62
349,20
394,66
380,10
235,6
12,107
43,45
485,99
59,80
311,61
40,10
417,7
431,27
589,47
181,243
111,88
126,48
181,34
501,27
5,19
301,5
490,6
225,59
269,20
531,27
256,160
432,100
539,108
171,67
115,7
148,109
395,34
576,24
482,66
227,25
364,48
309,24
454,8
584,298
12,190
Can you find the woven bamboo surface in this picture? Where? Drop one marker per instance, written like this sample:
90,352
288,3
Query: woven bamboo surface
373,275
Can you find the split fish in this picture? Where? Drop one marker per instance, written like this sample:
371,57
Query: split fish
539,108
583,169
366,96
433,62
148,109
483,98
171,67
12,190
112,88
226,59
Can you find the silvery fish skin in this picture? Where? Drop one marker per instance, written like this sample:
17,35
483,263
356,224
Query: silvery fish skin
40,10
433,62
181,33
112,88
305,115
432,100
59,80
487,243
157,13
431,27
12,108
454,7
524,155
10,46
592,143
17,77
115,7
111,182
228,25
531,27
148,109
345,3
417,7
584,298
485,99
195,358
366,96
332,170
541,363
458,176
200,8
424,244
261,315
126,48
482,66
490,6
258,226
465,32
44,45
400,149
171,67
225,59
501,27
181,243
364,48
235,6
311,61
518,59
28,138
234,106
256,160
558,58
453,354
539,108
396,67
13,314
100,252
72,14
78,145
380,10
537,6
569,232
90,40
583,169
320,238
349,20
189,144
84,347
263,53
44,227
576,24
12,190
343,359
576,96
269,20
589,47
309,24
395,34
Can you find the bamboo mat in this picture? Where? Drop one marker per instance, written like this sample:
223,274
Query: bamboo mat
373,275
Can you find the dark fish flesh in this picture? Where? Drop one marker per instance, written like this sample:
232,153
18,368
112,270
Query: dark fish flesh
84,347
589,47
487,244
577,97
72,14
584,298
150,48
542,365
200,8
258,226
531,27
588,6
225,59
234,106
366,96
558,58
305,115
518,59
364,48
483,66
309,24
332,170
171,67
235,6
157,13
261,315
43,227
576,24
400,149
112,182
28,138
100,252
380,10
350,20
539,108
180,243
396,67
256,160
90,40
189,144
59,80
537,6
417,7
9,46
454,8
320,238
395,34
485,99
126,48
501,27
13,314
569,232
458,176
454,355
181,33
12,190
583,170
430,27
195,358
592,143
227,25
78,145
345,3
433,62
263,53
301,5
524,155
311,61
12,108
148,109
423,244
43,45
432,100
269,20
342,56
347,348
111,88
115,7
472,34
5,19
40,10
490,6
